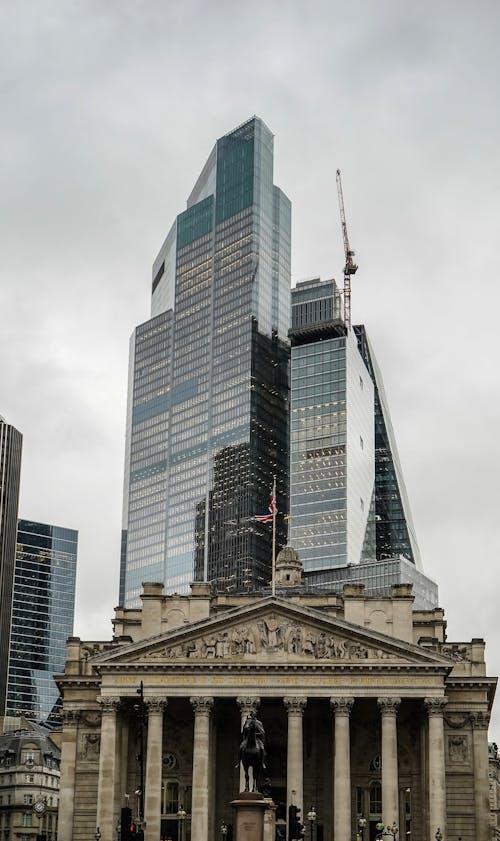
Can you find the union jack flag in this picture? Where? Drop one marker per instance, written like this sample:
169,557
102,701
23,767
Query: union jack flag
273,510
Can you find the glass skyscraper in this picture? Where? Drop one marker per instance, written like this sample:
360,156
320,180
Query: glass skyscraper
207,419
348,499
11,442
332,446
42,618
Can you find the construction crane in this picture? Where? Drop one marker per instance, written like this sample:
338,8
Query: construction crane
350,267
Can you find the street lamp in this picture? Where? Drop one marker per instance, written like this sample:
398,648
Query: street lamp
311,817
223,830
361,826
439,835
392,829
181,817
97,835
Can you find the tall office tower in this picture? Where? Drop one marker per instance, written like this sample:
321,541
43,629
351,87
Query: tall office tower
332,450
11,442
42,619
207,420
348,498
395,532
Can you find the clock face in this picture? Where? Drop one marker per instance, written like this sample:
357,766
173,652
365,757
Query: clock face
39,807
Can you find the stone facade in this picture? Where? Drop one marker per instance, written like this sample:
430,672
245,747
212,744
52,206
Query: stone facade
369,711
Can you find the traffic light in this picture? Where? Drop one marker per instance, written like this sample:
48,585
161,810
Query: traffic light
295,825
125,823
299,826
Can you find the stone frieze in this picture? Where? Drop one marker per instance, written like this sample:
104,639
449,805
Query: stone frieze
269,637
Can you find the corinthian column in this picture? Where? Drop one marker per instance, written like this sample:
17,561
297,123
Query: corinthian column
107,767
437,783
201,763
342,769
152,808
246,705
68,768
480,721
295,752
390,789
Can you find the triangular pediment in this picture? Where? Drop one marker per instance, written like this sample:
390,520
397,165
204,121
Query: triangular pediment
271,631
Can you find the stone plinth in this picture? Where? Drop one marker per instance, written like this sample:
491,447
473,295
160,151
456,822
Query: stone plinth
249,816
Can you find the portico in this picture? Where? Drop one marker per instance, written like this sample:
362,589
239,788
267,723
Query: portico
354,719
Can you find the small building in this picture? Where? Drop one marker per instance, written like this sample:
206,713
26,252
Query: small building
29,785
371,715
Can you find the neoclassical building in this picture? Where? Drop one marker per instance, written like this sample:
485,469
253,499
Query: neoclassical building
370,714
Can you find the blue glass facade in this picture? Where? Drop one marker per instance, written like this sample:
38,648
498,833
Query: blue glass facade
207,423
42,618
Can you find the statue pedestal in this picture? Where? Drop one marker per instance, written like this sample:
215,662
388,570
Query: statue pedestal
249,816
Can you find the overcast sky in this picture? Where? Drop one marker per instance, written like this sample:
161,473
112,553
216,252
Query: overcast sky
108,112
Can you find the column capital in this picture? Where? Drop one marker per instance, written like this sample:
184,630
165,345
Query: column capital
341,706
109,703
246,704
295,704
479,720
435,706
202,704
155,704
388,706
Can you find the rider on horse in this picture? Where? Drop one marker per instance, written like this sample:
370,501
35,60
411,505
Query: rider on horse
253,723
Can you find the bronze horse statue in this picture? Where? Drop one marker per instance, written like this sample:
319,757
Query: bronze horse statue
252,752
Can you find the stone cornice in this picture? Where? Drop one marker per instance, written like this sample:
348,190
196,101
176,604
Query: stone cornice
225,666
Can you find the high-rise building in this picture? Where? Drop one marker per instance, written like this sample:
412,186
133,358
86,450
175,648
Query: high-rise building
11,442
395,532
42,619
348,499
207,420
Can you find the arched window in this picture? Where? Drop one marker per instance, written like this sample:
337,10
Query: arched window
375,798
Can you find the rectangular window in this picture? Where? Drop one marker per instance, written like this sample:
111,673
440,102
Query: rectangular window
28,799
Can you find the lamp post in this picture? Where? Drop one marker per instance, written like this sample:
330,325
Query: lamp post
181,817
140,710
97,835
439,835
361,826
223,831
311,817
392,829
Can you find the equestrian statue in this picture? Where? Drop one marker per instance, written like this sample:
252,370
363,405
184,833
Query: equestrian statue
252,749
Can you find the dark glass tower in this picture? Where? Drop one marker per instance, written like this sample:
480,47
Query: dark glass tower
10,471
207,424
42,619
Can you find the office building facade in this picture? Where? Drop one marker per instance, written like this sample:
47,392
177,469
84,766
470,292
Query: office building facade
348,498
207,420
42,619
332,449
11,442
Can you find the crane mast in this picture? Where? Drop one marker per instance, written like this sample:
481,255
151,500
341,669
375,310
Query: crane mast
350,267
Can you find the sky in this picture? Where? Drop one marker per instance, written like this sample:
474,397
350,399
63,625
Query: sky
109,111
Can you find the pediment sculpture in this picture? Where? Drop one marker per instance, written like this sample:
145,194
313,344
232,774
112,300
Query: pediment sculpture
273,636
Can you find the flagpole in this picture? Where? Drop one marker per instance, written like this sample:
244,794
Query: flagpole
273,570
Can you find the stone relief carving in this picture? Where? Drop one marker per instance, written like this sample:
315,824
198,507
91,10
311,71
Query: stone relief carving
458,748
271,635
90,746
91,719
